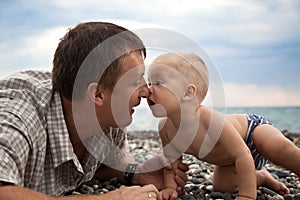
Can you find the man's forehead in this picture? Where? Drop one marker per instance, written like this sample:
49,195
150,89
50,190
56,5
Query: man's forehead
134,60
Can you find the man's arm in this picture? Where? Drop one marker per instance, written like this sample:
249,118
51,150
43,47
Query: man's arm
150,172
107,172
8,192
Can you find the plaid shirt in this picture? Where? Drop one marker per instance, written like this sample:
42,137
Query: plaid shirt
35,148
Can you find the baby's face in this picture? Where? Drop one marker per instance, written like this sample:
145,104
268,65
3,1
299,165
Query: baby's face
166,87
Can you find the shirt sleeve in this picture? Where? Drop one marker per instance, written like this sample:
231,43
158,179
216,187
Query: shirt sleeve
14,149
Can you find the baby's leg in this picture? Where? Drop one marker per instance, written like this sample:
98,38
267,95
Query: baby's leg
225,180
273,145
264,178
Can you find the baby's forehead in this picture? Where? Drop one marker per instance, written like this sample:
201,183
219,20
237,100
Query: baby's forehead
162,65
165,71
162,68
165,66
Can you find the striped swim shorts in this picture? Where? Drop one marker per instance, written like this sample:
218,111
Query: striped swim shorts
253,122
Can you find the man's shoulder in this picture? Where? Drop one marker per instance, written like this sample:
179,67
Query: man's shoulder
28,75
38,74
26,91
25,99
27,80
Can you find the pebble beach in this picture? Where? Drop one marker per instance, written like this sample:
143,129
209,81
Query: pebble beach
144,144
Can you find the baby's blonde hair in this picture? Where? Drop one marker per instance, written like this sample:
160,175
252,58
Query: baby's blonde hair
191,66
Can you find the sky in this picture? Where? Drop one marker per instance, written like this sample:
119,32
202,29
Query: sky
255,45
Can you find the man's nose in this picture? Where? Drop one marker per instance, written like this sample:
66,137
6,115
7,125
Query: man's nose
150,88
144,90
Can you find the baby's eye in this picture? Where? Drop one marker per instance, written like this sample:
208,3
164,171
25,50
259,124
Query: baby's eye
159,82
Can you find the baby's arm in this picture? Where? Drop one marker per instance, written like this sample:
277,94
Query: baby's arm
244,164
169,191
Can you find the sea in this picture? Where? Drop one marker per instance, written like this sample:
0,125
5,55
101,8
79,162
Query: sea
284,118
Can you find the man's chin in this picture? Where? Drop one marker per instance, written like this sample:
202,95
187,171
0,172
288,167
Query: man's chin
122,123
131,112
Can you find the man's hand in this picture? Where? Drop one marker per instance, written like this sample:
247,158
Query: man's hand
134,192
151,172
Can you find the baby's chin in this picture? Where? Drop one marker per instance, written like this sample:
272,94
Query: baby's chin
158,110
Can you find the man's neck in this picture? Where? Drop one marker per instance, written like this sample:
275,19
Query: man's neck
78,146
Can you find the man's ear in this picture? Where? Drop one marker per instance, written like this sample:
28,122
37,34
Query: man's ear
95,92
190,92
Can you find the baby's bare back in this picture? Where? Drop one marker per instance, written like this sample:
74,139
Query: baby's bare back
206,144
234,124
240,123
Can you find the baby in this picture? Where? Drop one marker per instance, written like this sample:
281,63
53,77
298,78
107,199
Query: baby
239,145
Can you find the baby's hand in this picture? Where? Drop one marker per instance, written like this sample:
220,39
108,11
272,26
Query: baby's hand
169,194
244,198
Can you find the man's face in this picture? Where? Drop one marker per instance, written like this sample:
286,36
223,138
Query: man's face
129,89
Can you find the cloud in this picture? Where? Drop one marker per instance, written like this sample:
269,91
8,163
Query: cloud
254,95
32,52
245,23
43,42
260,38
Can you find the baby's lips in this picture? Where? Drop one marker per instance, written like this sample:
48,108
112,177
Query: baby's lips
150,102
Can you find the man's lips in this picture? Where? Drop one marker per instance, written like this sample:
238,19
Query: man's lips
135,105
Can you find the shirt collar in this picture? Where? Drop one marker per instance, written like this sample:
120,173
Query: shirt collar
60,144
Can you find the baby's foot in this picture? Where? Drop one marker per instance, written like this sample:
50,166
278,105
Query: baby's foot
270,182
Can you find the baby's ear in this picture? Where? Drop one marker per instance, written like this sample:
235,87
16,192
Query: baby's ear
190,92
95,92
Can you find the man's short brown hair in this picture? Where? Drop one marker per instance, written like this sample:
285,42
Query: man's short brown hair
83,56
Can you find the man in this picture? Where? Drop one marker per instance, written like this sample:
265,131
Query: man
59,130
